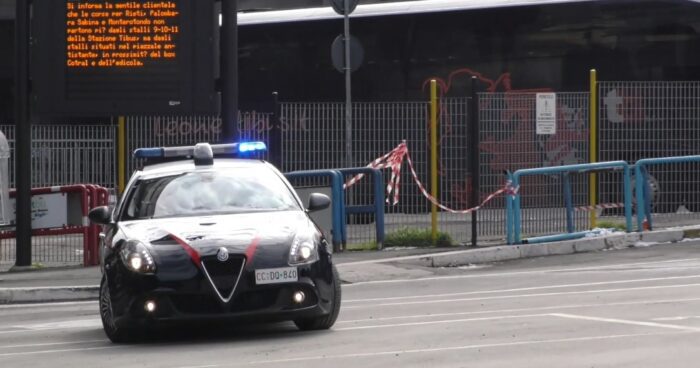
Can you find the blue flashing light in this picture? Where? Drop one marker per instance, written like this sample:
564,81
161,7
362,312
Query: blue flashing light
246,147
148,153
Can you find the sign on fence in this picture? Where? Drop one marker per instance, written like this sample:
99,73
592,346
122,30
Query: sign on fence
48,211
546,113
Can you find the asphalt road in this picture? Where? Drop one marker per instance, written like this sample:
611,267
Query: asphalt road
633,308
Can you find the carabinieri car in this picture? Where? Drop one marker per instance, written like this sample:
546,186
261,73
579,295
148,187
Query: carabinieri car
201,238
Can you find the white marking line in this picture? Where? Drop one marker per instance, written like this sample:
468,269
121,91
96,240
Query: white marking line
41,288
45,305
502,274
518,296
556,307
626,322
678,318
52,344
57,351
522,289
448,348
425,323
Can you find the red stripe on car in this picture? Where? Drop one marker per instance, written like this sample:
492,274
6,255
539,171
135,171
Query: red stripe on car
250,251
191,251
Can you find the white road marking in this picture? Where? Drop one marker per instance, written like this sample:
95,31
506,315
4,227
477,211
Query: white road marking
2,347
626,322
502,274
521,289
439,301
425,323
58,351
678,318
556,307
62,325
43,305
444,349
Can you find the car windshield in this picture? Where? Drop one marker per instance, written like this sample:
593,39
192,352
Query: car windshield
209,192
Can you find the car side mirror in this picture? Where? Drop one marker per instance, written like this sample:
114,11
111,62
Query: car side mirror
318,201
100,215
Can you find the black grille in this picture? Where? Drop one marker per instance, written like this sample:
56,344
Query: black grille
223,275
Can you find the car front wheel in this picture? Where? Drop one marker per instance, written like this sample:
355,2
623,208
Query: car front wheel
324,322
113,332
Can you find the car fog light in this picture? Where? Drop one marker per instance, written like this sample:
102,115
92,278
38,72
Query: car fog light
150,306
299,297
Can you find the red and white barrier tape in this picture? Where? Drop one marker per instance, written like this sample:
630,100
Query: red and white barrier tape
507,189
599,207
394,159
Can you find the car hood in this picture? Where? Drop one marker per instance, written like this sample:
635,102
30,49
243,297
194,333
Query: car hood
206,234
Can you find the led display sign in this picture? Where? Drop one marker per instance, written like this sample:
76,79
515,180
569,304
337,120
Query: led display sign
116,57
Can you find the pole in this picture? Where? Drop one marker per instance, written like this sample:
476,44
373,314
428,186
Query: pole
275,137
229,71
433,157
593,145
121,154
23,151
474,158
348,89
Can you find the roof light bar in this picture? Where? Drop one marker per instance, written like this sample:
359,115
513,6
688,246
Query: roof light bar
201,150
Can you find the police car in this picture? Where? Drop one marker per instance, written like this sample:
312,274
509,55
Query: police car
199,236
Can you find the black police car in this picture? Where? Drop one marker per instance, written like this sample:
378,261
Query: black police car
213,238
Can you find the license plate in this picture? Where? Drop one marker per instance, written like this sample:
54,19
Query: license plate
276,275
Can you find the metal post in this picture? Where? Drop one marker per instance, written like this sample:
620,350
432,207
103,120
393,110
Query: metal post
593,145
433,157
229,71
348,89
276,133
121,154
474,159
23,151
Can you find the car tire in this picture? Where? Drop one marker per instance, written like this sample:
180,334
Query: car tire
324,322
114,333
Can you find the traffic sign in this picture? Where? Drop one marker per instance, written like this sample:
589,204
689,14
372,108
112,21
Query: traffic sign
339,6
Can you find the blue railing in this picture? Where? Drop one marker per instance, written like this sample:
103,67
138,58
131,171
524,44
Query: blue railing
377,207
339,209
513,216
337,201
643,189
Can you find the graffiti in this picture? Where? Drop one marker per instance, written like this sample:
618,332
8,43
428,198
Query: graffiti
254,121
509,142
180,128
622,105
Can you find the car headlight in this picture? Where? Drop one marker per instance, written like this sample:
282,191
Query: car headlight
303,250
137,258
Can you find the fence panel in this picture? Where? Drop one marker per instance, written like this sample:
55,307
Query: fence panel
313,137
655,119
68,154
63,155
509,142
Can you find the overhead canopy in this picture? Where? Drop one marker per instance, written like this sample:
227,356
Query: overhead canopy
392,8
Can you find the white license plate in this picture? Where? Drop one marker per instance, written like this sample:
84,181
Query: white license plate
276,275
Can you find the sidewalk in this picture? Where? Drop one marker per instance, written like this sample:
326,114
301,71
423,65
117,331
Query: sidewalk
72,284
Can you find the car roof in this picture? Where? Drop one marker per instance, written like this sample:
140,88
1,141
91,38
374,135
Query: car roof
177,167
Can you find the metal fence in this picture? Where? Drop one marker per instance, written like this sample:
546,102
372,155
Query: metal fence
63,155
68,154
509,142
313,137
654,119
636,120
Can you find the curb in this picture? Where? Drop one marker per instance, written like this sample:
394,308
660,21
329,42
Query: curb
512,252
48,294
